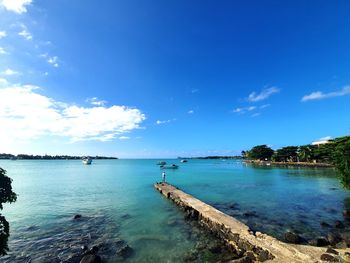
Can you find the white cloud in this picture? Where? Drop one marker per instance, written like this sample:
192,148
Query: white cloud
26,115
256,114
25,34
53,61
190,112
3,82
17,6
263,95
244,109
3,51
124,138
318,95
265,106
2,34
95,101
9,72
164,122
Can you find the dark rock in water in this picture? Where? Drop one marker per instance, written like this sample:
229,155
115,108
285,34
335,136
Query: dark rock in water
91,251
291,237
324,224
333,188
346,214
77,216
125,251
250,214
332,251
329,258
91,259
84,247
214,248
333,238
338,224
319,242
32,228
341,244
191,256
234,206
125,216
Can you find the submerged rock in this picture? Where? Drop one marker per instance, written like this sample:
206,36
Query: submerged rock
77,216
346,214
91,259
334,238
325,224
338,224
319,242
125,251
291,237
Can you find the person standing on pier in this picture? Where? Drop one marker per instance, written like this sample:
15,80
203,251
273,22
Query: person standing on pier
163,176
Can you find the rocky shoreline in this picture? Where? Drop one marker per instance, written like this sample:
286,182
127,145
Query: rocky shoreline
289,164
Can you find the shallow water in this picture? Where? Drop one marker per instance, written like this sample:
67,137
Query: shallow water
117,202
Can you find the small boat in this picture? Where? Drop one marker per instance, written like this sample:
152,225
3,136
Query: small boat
173,166
183,161
161,163
87,161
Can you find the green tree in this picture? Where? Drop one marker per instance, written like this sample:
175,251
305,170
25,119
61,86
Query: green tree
341,159
260,152
6,196
286,154
306,153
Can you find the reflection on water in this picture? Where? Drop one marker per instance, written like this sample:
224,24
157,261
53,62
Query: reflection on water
120,208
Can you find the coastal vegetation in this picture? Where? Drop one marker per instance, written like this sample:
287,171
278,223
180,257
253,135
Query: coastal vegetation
335,152
48,157
6,196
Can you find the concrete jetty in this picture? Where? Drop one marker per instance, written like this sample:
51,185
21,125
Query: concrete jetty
257,246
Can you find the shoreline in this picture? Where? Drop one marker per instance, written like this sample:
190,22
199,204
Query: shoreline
288,164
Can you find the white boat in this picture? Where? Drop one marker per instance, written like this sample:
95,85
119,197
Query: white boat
87,161
184,161
173,166
161,163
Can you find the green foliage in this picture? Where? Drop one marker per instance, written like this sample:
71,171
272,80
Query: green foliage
260,152
306,153
286,154
341,158
6,196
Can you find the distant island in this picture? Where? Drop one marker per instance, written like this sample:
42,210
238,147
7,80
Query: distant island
6,156
236,157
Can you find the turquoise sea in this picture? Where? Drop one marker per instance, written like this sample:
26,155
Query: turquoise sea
117,202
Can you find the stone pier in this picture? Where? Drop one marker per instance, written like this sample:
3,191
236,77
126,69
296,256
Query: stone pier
257,246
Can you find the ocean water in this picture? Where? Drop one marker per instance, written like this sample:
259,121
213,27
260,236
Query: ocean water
119,205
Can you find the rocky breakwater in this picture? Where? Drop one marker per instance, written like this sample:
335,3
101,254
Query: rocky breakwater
248,245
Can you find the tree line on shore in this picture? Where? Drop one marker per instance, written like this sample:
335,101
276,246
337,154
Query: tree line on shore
335,152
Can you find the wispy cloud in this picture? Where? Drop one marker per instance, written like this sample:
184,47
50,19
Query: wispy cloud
255,114
17,6
263,95
9,72
25,34
124,138
2,34
164,122
53,61
3,51
194,90
319,95
95,101
244,109
25,114
190,112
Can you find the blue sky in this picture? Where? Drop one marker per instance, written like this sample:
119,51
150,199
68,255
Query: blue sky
171,78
